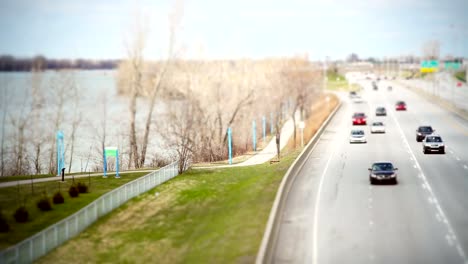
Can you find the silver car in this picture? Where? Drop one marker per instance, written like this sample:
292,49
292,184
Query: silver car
433,143
357,136
377,127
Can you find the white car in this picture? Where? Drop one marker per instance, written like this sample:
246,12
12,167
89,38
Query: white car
357,136
377,127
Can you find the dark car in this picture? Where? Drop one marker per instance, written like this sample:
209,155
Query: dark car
433,143
359,119
389,88
400,106
422,132
352,94
382,172
380,111
375,87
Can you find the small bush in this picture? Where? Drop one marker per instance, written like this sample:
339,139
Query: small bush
21,214
44,204
82,188
58,198
73,191
4,227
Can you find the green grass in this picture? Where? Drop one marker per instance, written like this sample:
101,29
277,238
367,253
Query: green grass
201,216
12,197
28,177
338,82
461,76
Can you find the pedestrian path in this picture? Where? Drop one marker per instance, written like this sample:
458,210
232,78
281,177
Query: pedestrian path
269,152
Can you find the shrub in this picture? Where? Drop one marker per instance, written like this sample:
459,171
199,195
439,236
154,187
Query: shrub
58,198
4,227
82,187
73,191
44,204
21,214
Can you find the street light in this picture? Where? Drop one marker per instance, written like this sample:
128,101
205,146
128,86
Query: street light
301,127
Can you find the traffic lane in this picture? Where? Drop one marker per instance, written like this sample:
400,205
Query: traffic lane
366,223
294,241
453,129
449,182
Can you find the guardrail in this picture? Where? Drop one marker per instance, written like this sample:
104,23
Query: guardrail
53,236
268,244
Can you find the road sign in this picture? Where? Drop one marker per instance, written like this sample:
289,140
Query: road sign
429,66
450,65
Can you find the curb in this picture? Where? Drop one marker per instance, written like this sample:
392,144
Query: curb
268,244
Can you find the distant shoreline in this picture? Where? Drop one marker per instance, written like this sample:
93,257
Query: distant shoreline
40,63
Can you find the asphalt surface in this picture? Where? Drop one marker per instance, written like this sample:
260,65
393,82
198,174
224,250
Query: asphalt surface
334,215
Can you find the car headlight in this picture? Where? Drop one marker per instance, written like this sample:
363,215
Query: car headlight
393,175
373,175
441,144
419,134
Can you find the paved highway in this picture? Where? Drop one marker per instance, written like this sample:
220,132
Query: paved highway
333,214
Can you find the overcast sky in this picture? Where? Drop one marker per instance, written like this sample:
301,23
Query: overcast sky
231,29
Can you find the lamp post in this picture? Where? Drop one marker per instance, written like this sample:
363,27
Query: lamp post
301,127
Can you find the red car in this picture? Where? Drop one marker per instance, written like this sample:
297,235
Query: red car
359,119
400,106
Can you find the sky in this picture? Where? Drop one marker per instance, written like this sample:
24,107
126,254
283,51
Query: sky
102,29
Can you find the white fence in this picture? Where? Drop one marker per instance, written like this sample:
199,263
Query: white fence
41,243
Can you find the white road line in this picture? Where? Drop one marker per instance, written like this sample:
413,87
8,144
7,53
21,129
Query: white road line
438,217
431,192
316,209
457,158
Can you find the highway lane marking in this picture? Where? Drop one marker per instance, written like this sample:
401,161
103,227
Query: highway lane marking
316,209
457,158
319,192
431,193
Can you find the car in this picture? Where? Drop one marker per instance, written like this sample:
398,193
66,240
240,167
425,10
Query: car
359,119
380,111
377,127
400,106
389,88
375,87
382,172
357,136
433,143
422,132
352,94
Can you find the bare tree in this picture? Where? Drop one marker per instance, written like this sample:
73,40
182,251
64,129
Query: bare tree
60,87
75,93
4,107
37,107
19,121
431,50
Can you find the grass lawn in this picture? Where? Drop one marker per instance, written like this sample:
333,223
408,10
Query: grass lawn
201,216
28,177
12,197
461,76
337,82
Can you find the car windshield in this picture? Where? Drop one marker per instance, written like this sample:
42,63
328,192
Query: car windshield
400,103
357,132
433,139
377,124
382,167
359,115
380,109
425,129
